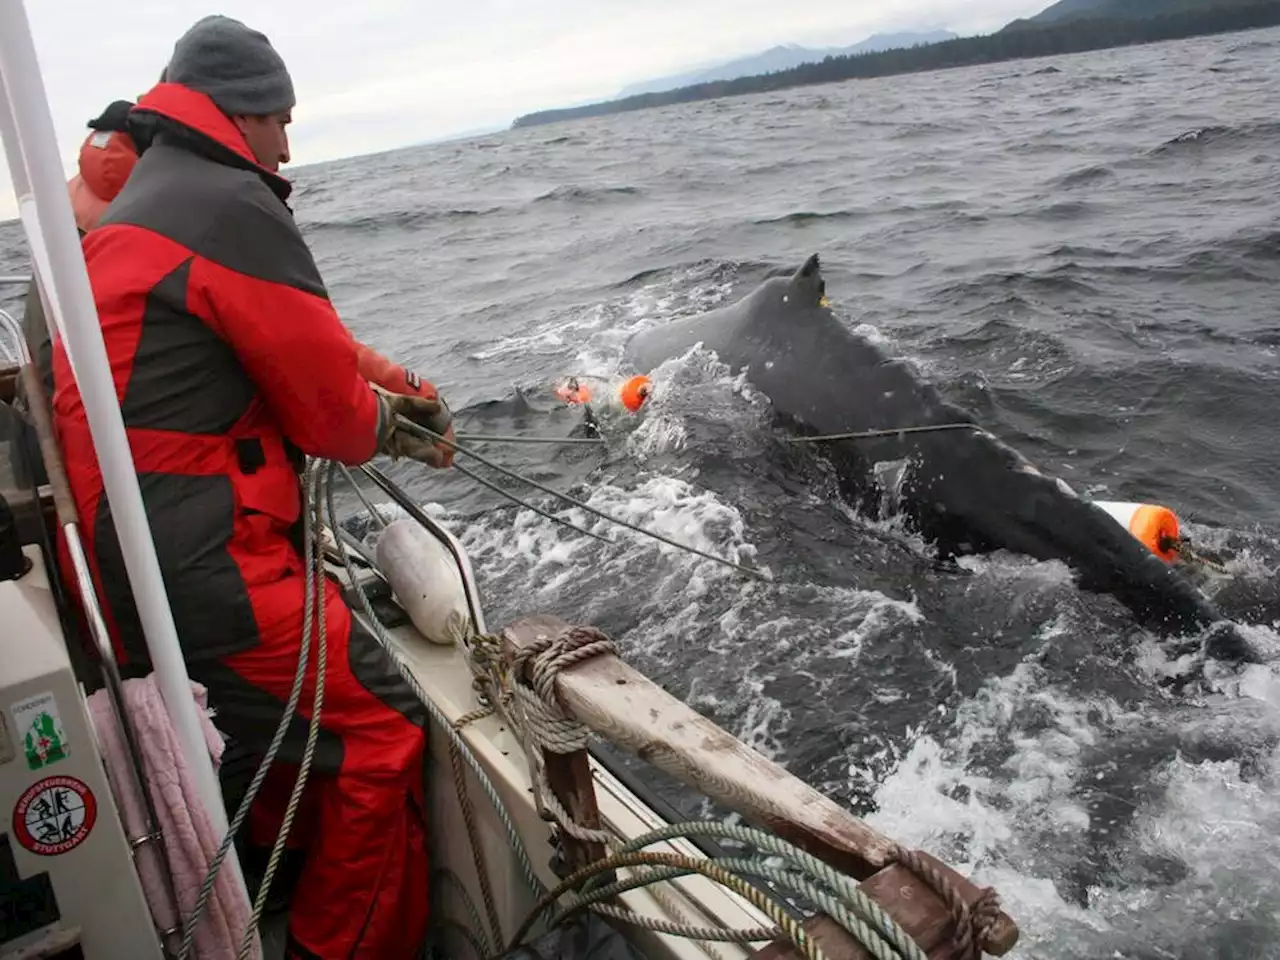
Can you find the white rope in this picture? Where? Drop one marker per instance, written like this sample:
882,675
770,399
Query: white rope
548,730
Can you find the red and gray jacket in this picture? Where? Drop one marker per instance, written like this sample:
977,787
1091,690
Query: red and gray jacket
228,358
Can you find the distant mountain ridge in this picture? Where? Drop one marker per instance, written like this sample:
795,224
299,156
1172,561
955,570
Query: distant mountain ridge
786,56
1065,11
1066,27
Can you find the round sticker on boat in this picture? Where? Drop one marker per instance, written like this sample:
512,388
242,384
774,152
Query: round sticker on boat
54,815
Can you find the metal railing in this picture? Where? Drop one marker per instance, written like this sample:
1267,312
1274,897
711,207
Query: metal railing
406,503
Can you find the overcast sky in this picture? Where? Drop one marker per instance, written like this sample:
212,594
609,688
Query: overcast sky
376,74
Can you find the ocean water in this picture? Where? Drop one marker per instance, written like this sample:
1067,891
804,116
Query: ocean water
1084,251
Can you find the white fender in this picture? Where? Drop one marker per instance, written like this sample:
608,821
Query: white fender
1154,526
425,581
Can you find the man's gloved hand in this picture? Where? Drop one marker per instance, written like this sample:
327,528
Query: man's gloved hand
397,442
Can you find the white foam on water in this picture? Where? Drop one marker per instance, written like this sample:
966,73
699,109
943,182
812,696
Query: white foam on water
1028,789
874,335
525,561
596,335
524,544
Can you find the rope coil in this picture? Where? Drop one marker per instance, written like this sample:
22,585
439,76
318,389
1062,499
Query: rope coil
541,723
545,725
550,655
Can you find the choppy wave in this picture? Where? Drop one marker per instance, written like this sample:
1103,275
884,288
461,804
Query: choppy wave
1085,177
1221,135
802,217
391,220
576,194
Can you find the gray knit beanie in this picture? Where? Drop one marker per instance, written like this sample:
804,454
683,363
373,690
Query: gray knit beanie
236,67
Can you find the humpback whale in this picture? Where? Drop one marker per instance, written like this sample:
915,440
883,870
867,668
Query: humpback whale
963,489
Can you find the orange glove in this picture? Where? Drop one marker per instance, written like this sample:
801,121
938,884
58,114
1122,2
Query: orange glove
395,379
392,377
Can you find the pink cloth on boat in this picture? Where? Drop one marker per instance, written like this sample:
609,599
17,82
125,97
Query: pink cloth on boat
190,838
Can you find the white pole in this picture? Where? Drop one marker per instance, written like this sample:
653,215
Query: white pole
27,130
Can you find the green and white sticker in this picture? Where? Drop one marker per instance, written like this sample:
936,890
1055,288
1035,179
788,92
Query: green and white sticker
39,730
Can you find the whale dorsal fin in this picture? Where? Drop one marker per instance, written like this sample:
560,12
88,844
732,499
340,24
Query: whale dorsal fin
807,286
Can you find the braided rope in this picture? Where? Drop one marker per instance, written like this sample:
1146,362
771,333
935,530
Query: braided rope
542,721
546,725
477,925
1185,549
803,861
550,655
277,740
762,901
472,717
490,679
668,903
684,930
836,907
653,875
972,923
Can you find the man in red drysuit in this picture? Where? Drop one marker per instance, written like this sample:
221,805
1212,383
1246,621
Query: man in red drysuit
229,362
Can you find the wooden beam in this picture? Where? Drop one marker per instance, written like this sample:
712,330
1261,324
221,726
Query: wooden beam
913,906
569,776
923,914
626,708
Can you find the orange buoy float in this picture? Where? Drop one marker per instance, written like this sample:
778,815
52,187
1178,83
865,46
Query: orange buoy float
635,392
573,392
1154,526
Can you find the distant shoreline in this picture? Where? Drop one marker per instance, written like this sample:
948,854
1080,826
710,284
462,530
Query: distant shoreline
1020,40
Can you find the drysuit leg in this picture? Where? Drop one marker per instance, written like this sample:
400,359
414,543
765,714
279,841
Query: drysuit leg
363,892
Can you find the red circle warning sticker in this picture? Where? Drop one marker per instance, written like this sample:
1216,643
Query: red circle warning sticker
54,815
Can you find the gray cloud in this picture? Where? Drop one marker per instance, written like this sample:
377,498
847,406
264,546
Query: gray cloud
378,74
